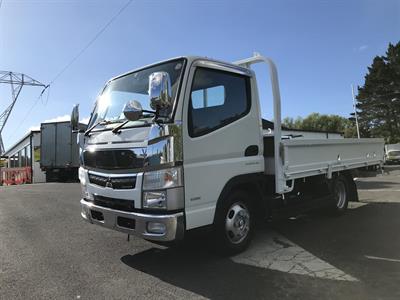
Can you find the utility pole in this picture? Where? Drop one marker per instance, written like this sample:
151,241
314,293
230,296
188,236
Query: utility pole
355,110
16,81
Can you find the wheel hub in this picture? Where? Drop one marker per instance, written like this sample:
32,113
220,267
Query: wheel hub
237,223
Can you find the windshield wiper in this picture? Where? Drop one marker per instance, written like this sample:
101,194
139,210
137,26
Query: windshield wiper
117,128
101,122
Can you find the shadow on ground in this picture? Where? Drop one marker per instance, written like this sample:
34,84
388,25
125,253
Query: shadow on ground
195,269
343,242
371,185
391,169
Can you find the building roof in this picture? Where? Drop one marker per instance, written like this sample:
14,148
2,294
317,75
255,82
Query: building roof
28,134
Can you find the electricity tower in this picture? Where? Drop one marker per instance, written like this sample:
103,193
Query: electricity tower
16,81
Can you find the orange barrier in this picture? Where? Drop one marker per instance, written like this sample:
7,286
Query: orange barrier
13,176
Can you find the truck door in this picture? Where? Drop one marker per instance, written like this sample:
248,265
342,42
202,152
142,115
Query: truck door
47,150
221,135
63,145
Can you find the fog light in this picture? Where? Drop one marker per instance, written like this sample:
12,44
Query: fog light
154,227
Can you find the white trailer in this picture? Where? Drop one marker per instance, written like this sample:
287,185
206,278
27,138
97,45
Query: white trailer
59,157
179,145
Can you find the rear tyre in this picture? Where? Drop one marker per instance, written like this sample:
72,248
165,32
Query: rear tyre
340,193
234,224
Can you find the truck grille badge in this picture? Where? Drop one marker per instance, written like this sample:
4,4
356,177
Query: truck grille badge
109,183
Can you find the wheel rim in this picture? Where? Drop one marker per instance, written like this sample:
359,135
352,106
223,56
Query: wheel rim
237,222
340,194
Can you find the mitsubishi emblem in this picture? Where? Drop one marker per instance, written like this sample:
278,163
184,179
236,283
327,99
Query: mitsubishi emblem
109,183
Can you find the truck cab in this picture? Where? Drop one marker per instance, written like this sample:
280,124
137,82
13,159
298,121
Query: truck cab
179,145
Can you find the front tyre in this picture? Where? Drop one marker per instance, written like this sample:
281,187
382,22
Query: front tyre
234,225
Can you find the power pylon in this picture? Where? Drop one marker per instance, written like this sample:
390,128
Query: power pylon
16,81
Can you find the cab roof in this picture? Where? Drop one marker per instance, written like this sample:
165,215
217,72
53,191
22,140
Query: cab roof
190,59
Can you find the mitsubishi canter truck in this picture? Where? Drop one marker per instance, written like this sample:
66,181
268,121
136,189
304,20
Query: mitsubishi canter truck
179,145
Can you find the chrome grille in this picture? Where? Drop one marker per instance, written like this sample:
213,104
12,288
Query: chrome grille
114,159
117,183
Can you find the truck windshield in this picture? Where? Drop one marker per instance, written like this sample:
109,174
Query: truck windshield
133,86
394,153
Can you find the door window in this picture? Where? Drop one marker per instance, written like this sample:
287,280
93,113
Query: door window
217,99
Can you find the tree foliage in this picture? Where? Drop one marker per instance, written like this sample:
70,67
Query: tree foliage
379,99
3,163
316,121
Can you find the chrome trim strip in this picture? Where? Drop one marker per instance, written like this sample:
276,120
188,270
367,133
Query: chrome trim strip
127,142
112,175
164,145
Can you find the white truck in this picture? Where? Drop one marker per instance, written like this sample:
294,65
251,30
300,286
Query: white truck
179,145
392,153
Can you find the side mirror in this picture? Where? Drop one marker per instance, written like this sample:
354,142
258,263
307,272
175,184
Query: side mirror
133,110
160,90
75,118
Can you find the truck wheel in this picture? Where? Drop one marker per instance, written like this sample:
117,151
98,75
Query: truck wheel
234,225
340,192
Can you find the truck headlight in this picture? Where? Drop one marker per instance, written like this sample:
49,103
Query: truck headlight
162,179
155,200
158,184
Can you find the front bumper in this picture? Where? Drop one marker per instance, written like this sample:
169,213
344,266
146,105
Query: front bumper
393,159
135,223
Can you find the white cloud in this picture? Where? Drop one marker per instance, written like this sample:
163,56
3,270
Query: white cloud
362,48
85,120
58,119
34,128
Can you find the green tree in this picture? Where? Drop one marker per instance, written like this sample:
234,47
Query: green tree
316,121
379,98
3,162
293,123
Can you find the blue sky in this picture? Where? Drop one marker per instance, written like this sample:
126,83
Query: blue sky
320,47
